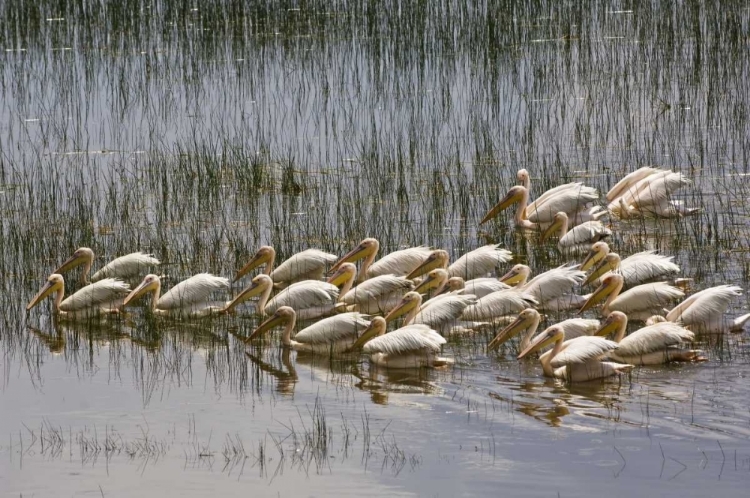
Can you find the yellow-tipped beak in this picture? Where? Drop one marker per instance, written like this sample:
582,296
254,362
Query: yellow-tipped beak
509,199
403,307
427,284
598,272
599,294
369,333
433,262
272,322
254,290
520,324
142,289
538,343
511,278
258,260
608,326
47,289
71,263
359,252
592,258
551,230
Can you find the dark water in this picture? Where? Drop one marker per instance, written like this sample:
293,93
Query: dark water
199,133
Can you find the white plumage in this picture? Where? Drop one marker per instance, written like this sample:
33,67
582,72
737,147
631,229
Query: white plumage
479,287
639,302
636,269
125,267
441,313
704,311
498,304
479,262
310,264
309,298
651,196
408,347
401,262
99,298
570,199
378,294
189,298
547,288
578,238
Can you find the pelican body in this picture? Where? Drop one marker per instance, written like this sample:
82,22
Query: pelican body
529,320
124,268
378,294
187,299
92,301
704,311
636,269
579,237
441,313
310,264
639,302
551,290
477,263
648,192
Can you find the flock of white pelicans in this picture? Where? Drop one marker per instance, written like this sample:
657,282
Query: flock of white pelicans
353,307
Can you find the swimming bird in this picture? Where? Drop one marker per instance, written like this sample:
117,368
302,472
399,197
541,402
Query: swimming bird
310,264
399,263
576,360
123,268
579,237
377,295
552,290
652,196
187,299
410,346
639,302
636,269
474,264
497,306
651,345
479,287
704,311
333,335
94,300
529,320
442,313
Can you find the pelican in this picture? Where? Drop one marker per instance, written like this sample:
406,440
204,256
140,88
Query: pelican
494,307
529,320
652,345
367,250
479,287
582,215
309,298
576,360
580,237
124,268
309,264
377,295
408,347
703,312
332,335
399,263
551,289
636,269
100,298
441,313
474,264
188,298
650,196
639,302
629,181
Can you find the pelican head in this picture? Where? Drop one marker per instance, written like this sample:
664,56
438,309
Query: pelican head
54,283
614,322
282,316
527,318
455,284
514,195
259,285
517,275
435,280
151,283
377,328
410,301
367,248
344,274
559,223
437,259
596,254
265,255
523,176
552,334
653,320
610,283
81,256
611,262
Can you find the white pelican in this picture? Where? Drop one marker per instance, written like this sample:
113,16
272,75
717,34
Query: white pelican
580,237
651,196
703,312
552,290
377,295
99,298
636,269
494,307
408,347
576,360
335,334
442,313
188,298
639,302
474,264
125,267
309,298
310,264
479,287
652,345
367,250
629,181
529,320
399,263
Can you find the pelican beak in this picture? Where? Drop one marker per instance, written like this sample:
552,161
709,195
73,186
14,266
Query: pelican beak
512,277
608,326
144,288
592,258
47,289
542,340
368,334
341,276
433,261
258,260
517,326
404,306
430,282
599,271
253,290
360,252
507,201
599,294
551,230
71,263
274,321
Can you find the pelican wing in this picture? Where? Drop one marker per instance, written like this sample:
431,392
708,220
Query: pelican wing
497,304
303,295
577,327
377,288
405,340
629,181
654,190
554,283
99,293
654,338
479,262
333,329
587,232
704,306
646,297
443,309
540,200
303,264
480,287
400,262
568,200
128,266
581,350
645,266
192,290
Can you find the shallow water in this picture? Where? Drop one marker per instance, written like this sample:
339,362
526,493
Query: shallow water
200,134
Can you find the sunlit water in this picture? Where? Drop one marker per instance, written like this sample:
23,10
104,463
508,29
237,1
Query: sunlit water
201,133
